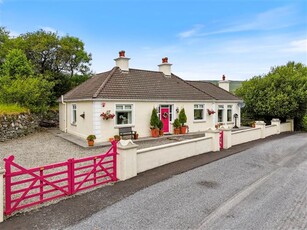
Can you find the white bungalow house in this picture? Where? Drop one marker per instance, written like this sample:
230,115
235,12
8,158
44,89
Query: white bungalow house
129,95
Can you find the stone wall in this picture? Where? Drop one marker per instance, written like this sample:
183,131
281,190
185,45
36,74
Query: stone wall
18,125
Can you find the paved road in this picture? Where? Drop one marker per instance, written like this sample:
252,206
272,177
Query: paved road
264,187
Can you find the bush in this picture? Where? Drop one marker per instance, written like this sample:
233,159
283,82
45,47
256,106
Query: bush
31,92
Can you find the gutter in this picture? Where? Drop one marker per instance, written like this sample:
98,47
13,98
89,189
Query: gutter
65,113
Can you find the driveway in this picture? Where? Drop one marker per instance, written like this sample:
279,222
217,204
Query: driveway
264,187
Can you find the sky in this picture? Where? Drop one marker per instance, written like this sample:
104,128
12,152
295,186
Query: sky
203,39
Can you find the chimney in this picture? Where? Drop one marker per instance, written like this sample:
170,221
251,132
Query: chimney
224,84
165,67
122,62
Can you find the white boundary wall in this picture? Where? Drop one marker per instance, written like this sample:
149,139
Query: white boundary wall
153,157
286,127
270,130
246,135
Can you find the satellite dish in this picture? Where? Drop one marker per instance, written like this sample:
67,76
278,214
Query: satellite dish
241,105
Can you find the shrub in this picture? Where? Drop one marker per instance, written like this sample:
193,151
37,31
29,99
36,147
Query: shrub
176,123
31,92
154,119
182,117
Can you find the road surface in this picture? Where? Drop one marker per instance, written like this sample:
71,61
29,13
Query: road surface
264,187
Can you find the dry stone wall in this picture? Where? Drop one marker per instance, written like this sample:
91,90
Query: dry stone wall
18,125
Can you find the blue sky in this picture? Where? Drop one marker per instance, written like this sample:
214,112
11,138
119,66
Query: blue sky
203,39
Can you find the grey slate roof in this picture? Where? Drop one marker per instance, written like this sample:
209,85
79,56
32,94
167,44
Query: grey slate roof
213,90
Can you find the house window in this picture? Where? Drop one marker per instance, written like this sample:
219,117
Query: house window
199,112
123,114
74,114
220,113
229,112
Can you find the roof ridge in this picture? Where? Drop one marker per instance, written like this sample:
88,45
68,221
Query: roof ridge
155,71
201,90
216,86
105,82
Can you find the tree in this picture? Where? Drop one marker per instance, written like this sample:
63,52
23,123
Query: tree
16,64
281,93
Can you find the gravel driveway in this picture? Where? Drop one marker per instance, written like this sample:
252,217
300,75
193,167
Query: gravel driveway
44,148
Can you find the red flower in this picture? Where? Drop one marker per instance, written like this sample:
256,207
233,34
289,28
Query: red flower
210,111
107,115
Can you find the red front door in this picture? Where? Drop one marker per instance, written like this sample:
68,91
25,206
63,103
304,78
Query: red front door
164,114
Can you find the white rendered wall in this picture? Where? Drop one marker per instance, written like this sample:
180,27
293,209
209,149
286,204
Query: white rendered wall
160,155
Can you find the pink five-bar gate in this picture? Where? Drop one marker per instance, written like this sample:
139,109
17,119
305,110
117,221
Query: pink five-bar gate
221,140
28,187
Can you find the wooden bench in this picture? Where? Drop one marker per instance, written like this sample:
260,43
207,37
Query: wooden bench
127,131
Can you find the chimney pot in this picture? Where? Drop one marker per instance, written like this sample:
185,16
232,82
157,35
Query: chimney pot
165,60
122,53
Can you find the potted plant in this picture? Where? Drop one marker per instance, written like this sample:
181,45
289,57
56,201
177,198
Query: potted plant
90,139
176,125
116,137
107,115
136,136
182,120
253,124
154,121
111,139
218,125
160,126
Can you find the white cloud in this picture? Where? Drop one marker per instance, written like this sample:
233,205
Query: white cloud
297,46
14,34
192,32
269,20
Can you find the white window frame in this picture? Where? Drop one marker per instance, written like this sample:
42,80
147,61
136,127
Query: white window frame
124,110
74,114
204,117
229,107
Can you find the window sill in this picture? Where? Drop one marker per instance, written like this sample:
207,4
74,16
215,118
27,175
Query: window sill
199,121
125,125
73,124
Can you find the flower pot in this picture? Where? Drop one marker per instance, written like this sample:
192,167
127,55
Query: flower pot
177,131
154,132
90,143
161,132
136,136
183,129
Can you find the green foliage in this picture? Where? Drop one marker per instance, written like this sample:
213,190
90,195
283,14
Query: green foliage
176,123
154,119
16,64
182,117
31,92
12,109
91,137
304,122
281,93
160,124
60,63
